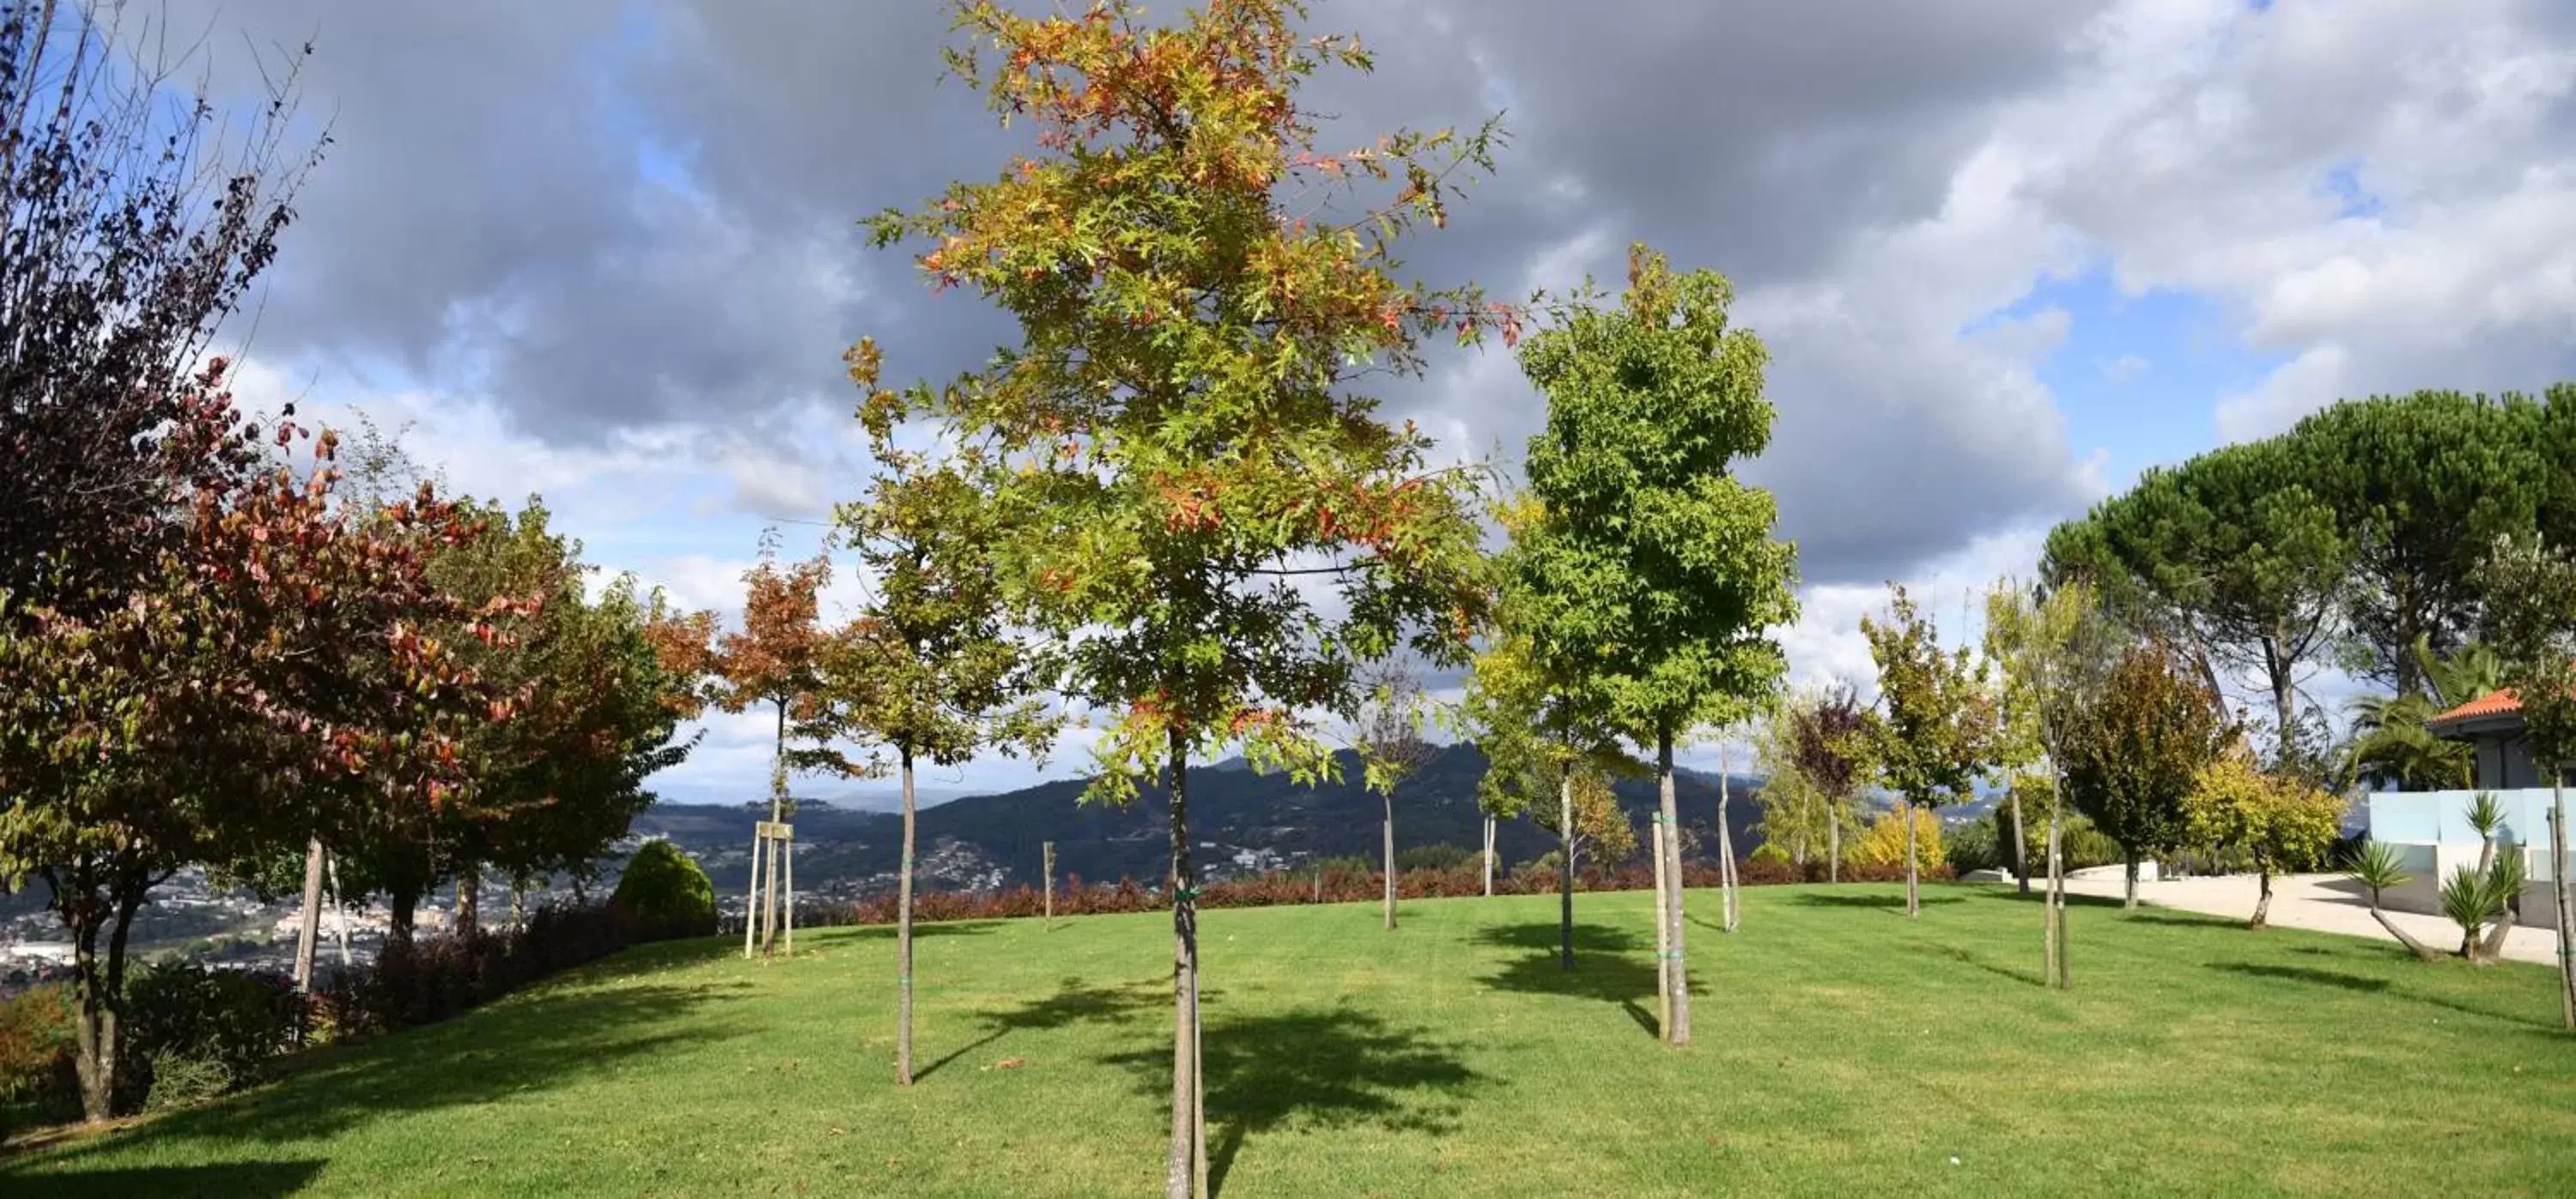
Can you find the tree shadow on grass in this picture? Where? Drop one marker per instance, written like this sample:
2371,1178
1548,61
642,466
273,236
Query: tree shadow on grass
1546,934
246,1180
2305,974
535,1041
1820,899
2173,919
1957,954
1074,1002
944,928
1315,1067
1603,967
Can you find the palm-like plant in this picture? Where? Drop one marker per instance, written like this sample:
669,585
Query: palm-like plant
2377,868
2472,670
2389,739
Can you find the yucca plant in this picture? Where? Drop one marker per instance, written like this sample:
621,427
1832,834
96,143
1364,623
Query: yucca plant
2481,903
2377,868
2486,815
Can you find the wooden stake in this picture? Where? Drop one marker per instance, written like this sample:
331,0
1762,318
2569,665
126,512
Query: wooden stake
751,898
787,845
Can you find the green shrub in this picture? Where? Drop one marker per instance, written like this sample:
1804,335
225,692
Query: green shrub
1770,854
1432,857
1972,846
38,1083
215,1024
666,893
181,1078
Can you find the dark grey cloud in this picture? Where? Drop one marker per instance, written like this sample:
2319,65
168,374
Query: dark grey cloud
615,216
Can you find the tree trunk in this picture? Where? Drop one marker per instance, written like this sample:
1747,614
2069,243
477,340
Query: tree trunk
2048,905
1677,984
2422,951
2021,856
1565,870
1833,844
2561,898
403,912
903,936
2263,883
2130,859
1663,930
1388,829
1733,888
469,900
1913,896
308,929
1048,869
1489,857
1187,1173
518,900
2491,950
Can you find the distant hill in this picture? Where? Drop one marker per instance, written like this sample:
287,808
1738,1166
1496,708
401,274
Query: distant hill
1242,822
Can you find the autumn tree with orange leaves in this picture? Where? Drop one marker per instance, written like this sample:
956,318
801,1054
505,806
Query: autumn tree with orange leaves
1178,439
770,661
262,671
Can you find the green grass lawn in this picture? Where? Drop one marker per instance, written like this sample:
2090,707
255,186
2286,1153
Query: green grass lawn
1842,1048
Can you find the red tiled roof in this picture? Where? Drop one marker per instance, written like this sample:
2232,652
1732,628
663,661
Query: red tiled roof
2493,703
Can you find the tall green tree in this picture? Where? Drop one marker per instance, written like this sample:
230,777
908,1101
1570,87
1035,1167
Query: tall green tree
2530,587
1939,729
930,670
1659,573
2053,648
2132,752
2234,557
1179,436
1541,730
2421,486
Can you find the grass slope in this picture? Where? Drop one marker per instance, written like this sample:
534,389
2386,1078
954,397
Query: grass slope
1842,1048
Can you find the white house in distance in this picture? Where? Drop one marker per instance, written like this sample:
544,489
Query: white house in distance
2430,829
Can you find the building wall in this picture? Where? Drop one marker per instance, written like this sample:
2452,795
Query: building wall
2504,763
2430,831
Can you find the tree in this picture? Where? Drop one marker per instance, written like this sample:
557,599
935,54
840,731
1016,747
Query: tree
2132,753
591,713
2421,485
1660,574
1939,728
929,670
2053,648
2530,594
1177,438
1835,741
770,663
208,713
1905,834
2021,743
134,219
2282,822
1540,730
1392,749
2233,559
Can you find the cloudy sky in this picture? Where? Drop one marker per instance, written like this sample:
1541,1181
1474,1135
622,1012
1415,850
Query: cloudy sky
2005,253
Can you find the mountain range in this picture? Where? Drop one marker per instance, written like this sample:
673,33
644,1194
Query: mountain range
1241,821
